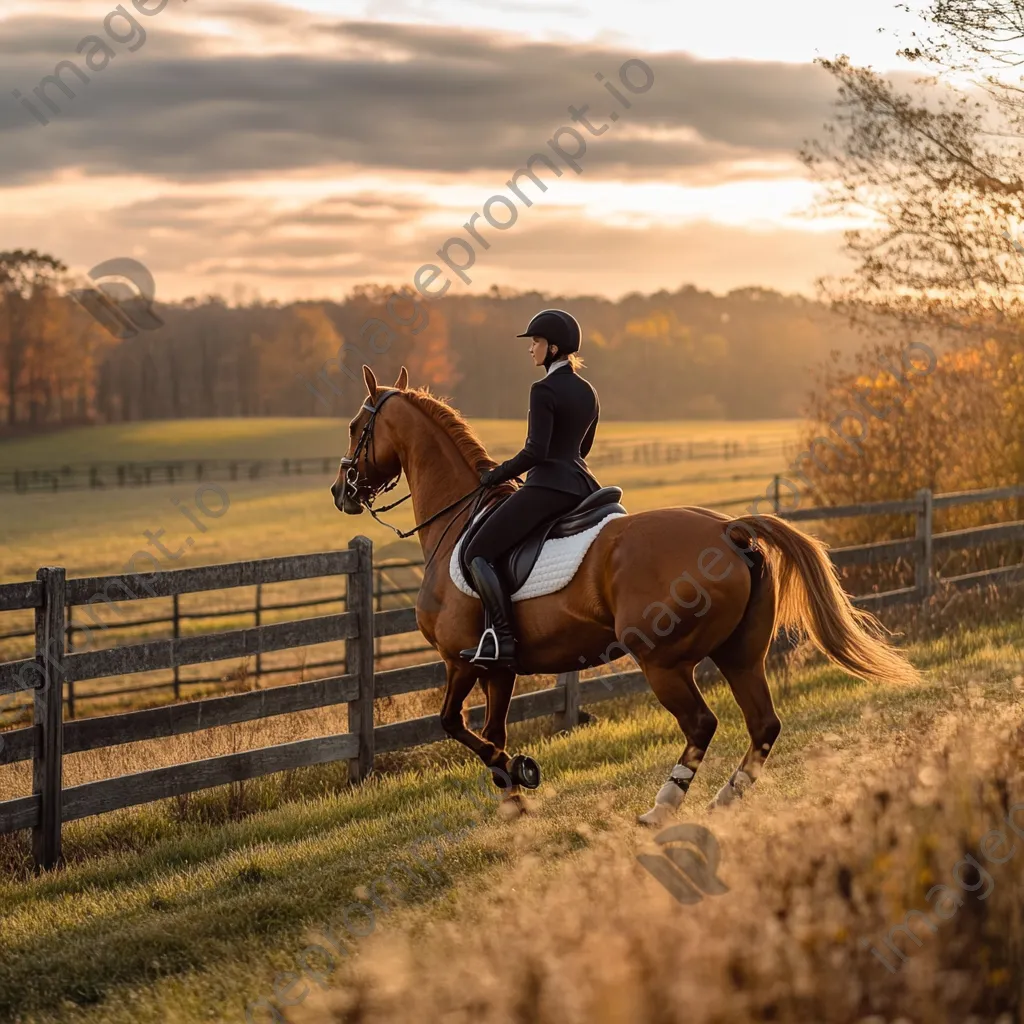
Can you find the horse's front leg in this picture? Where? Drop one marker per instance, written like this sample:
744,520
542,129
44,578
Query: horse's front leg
462,676
499,685
519,771
508,773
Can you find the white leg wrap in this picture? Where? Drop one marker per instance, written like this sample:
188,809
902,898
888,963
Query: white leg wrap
670,794
658,815
733,789
669,798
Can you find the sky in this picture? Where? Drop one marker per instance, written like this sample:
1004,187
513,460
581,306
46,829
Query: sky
295,150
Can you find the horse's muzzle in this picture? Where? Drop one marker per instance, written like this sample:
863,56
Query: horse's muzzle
345,499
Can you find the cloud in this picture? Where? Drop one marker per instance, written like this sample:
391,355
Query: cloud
387,97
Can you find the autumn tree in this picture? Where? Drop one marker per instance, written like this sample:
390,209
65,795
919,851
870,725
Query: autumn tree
28,289
934,173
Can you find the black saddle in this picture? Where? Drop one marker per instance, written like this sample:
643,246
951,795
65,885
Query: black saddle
516,564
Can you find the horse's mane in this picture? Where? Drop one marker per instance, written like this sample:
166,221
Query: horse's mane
450,420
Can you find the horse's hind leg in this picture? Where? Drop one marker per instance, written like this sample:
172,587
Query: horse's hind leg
677,691
741,659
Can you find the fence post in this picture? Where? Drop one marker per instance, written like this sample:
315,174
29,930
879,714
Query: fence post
570,717
359,657
259,622
378,595
69,646
176,633
48,719
776,504
924,568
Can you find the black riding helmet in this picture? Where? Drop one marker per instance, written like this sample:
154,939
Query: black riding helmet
556,327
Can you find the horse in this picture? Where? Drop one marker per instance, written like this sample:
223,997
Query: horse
707,585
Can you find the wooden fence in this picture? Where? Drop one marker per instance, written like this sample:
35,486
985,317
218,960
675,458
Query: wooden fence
53,668
387,592
921,550
101,475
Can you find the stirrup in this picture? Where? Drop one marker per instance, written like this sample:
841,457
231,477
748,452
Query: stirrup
479,657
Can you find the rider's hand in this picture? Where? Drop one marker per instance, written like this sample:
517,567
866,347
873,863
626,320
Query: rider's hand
489,477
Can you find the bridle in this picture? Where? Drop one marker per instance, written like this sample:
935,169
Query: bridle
350,466
353,483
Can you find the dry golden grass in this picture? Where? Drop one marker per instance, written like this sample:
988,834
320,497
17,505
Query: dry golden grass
192,910
813,888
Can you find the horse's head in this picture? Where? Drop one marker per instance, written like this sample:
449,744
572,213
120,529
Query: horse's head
371,461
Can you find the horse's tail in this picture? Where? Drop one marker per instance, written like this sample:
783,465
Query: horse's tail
811,598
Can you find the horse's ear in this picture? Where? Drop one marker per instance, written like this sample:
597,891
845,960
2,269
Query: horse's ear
403,379
370,380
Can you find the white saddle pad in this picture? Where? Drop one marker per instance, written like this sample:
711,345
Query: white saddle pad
555,567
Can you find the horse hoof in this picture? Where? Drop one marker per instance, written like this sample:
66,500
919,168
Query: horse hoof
524,771
658,815
512,807
502,780
732,791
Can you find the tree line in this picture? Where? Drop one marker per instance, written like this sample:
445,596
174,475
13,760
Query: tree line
668,355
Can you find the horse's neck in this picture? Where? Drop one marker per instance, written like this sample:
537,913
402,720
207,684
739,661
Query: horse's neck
438,476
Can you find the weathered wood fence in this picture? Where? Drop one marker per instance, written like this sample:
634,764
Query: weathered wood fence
101,475
49,738
923,548
387,591
53,668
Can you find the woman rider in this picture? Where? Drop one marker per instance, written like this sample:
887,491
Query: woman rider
563,418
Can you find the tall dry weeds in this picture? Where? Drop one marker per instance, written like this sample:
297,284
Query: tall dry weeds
812,891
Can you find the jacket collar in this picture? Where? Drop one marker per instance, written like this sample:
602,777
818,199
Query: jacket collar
557,365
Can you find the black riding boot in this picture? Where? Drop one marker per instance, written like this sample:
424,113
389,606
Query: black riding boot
497,646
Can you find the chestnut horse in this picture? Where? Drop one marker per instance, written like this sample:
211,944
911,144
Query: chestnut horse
706,585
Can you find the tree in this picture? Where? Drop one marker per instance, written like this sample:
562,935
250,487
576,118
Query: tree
29,282
936,171
941,186
970,33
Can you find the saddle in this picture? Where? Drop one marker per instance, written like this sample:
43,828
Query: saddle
516,564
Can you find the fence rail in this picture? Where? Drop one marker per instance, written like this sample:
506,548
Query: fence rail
101,475
54,668
80,592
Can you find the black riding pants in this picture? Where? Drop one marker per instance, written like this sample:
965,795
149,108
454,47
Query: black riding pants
517,517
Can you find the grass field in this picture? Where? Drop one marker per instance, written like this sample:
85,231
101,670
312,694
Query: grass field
189,911
444,909
93,532
266,438
96,532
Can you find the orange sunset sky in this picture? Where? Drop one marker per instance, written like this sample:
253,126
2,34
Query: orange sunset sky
295,150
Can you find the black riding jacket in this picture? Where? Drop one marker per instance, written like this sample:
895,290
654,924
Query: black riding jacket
564,410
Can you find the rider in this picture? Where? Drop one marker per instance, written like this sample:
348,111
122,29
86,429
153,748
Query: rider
563,418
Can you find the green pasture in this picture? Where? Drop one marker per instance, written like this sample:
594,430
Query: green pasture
313,437
97,531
